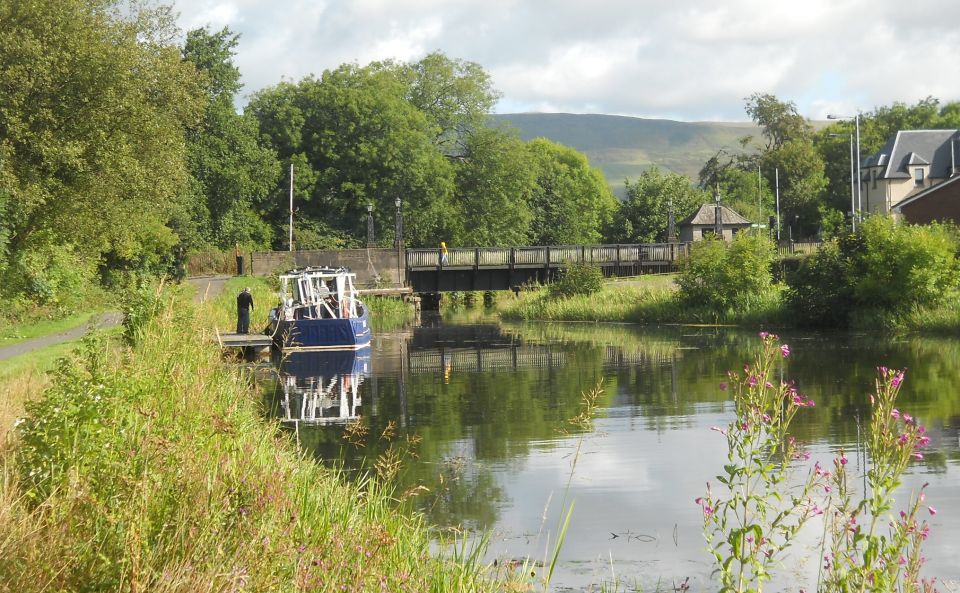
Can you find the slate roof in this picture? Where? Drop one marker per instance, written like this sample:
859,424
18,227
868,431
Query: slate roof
914,148
706,215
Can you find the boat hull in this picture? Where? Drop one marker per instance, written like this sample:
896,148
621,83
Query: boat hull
316,335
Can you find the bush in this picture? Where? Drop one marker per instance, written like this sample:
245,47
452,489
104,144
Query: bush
721,276
49,274
904,266
576,279
887,268
819,291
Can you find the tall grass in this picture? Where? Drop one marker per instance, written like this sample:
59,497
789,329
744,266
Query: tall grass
620,303
388,312
149,467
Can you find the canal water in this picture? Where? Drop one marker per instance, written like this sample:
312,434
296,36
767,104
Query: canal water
479,414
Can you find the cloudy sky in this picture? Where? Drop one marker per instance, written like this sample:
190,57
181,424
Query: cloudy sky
688,60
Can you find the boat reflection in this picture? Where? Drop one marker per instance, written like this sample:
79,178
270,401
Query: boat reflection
322,387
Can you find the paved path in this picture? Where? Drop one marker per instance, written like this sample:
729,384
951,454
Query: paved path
208,287
102,321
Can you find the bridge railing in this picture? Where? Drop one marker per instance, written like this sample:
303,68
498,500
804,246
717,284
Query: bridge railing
553,256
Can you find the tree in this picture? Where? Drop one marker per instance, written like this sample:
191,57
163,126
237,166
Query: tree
358,141
93,106
648,203
802,179
571,202
455,95
494,181
233,173
779,119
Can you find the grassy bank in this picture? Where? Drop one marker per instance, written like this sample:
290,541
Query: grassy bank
656,302
150,467
643,301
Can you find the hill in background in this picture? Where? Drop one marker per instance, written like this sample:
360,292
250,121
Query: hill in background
624,147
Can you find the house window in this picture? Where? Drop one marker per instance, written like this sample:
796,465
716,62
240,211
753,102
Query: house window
706,233
918,176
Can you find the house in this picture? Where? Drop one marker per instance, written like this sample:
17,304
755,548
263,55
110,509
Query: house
940,202
703,223
910,162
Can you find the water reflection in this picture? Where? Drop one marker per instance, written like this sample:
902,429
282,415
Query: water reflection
491,405
322,387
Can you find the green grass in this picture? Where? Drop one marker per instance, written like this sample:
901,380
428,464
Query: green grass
644,300
39,360
13,334
151,468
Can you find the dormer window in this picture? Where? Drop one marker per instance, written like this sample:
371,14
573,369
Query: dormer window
918,177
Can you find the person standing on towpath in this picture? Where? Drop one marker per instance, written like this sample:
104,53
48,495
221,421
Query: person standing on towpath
244,305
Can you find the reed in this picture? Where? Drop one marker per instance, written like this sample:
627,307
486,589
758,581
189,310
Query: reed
150,467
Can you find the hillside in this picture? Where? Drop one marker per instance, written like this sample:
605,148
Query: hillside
623,147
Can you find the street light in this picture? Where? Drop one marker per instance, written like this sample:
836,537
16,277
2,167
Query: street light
370,241
856,120
398,241
853,203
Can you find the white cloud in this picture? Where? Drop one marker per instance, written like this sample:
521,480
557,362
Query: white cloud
683,59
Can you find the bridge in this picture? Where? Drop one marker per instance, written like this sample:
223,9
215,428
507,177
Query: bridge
480,268
503,268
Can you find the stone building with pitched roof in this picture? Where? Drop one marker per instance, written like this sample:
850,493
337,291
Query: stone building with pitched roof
910,162
703,223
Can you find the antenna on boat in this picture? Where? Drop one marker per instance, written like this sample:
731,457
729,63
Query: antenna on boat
291,207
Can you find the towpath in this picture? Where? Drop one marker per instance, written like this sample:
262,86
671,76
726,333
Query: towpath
208,287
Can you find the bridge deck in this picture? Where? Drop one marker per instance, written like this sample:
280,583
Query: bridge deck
502,258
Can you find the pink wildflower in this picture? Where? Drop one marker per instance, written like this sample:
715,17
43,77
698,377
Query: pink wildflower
932,510
897,379
895,413
785,350
917,455
723,387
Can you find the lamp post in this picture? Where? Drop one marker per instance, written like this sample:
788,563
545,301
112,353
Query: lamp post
398,231
370,241
671,223
856,121
718,215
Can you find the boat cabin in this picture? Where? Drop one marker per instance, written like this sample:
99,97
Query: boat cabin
319,293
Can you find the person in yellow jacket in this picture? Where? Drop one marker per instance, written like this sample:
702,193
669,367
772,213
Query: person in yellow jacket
443,254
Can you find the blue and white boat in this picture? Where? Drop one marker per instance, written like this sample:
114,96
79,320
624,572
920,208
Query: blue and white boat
320,310
322,387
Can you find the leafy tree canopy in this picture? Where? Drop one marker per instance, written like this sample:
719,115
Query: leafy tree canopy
649,200
93,104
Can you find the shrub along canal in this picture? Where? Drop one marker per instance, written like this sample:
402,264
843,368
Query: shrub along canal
479,415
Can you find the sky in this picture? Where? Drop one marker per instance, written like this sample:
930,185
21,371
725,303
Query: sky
687,60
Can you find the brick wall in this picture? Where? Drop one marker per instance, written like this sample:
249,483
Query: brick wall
367,264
